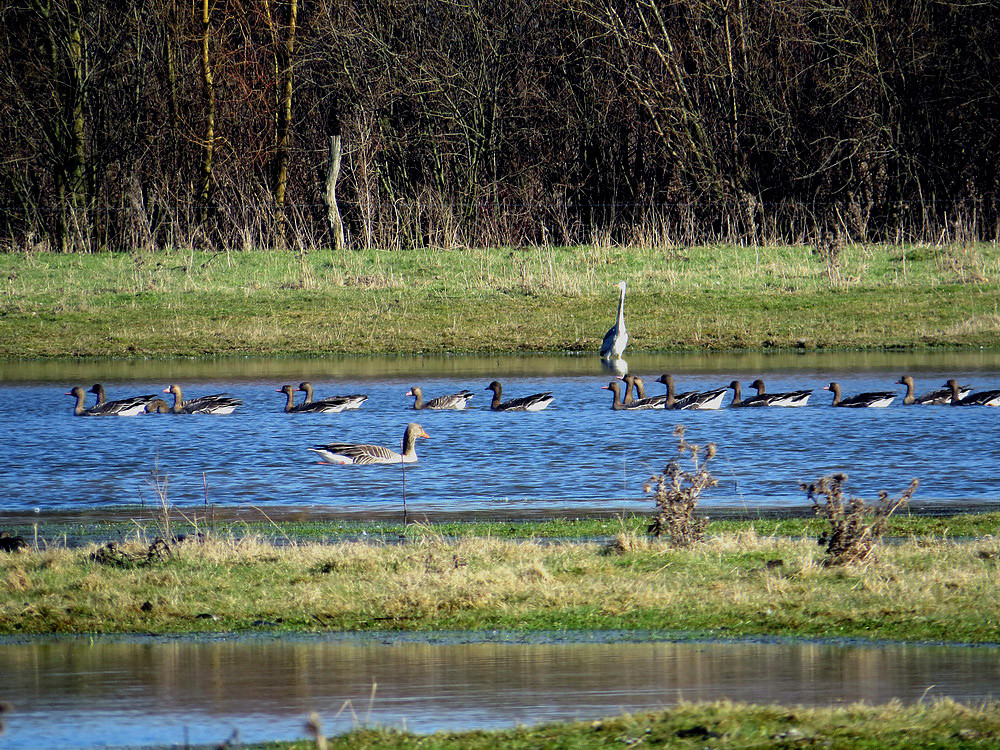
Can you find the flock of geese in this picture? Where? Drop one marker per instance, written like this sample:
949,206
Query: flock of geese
630,398
628,391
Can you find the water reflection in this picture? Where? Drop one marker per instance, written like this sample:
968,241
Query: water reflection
77,694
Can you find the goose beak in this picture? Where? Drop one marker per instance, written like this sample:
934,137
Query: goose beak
826,387
409,393
423,434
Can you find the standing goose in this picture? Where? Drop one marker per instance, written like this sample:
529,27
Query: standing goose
634,383
934,398
983,398
618,405
219,403
363,453
535,402
616,338
125,407
454,401
315,407
690,400
872,400
353,401
763,398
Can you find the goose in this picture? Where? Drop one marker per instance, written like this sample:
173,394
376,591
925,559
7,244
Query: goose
107,409
314,407
219,403
935,398
616,338
535,402
634,382
763,398
125,407
983,398
454,401
157,406
874,400
691,399
353,401
362,453
618,405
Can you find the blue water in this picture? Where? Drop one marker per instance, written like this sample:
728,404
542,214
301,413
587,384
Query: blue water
577,456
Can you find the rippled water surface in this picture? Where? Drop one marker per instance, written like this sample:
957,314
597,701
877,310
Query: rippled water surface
84,694
578,456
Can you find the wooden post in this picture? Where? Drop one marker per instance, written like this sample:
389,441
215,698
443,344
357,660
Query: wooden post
332,211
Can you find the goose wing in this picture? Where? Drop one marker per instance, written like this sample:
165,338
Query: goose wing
453,401
218,403
535,402
356,453
125,407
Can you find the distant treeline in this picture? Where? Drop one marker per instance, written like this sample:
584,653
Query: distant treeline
157,123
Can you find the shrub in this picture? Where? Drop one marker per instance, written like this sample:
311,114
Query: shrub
676,493
855,527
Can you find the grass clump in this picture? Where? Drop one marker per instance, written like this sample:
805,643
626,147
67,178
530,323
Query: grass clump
855,528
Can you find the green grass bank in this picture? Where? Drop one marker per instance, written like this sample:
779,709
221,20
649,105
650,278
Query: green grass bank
737,583
496,300
724,725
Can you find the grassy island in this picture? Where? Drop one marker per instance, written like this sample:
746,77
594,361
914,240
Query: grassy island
497,300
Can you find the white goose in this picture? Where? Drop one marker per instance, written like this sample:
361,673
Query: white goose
364,453
616,338
219,403
535,402
337,403
454,401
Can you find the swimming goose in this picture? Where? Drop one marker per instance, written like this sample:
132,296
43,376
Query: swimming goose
535,402
107,409
634,382
362,453
314,407
691,399
616,338
982,398
454,401
763,398
874,399
219,403
353,401
157,406
125,407
618,405
935,398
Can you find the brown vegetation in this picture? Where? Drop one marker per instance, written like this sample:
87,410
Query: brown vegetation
676,493
855,528
136,126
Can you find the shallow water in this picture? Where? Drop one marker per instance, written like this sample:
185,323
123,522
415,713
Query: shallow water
578,457
84,694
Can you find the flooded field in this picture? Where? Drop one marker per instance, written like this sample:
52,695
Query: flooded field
578,457
81,693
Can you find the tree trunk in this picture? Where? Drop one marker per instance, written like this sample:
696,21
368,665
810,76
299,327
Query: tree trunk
332,211
205,183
